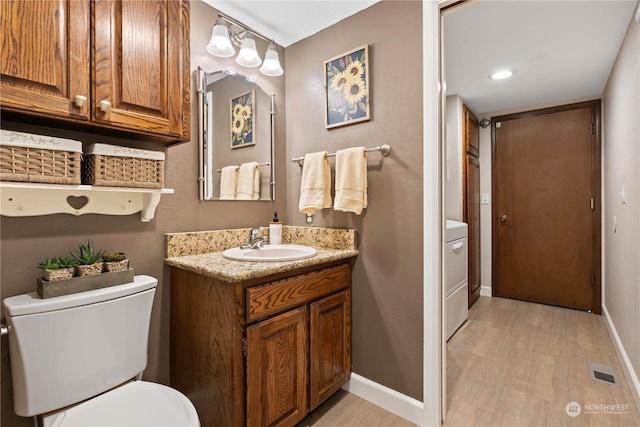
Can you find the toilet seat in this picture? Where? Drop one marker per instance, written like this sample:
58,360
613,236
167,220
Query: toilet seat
138,403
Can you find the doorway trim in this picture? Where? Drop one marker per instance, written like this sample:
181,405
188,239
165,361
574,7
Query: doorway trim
596,190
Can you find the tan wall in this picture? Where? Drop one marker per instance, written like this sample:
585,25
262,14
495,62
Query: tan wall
387,300
454,156
26,241
621,109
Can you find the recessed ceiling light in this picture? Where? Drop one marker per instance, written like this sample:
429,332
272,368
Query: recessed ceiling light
499,75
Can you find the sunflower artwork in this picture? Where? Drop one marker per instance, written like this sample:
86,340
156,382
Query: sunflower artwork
242,120
347,88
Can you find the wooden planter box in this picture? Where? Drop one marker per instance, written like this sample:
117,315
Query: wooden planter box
49,289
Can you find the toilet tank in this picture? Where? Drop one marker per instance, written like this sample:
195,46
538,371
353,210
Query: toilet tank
67,349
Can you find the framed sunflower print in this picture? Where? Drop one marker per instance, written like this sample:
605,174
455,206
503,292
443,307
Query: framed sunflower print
346,79
243,120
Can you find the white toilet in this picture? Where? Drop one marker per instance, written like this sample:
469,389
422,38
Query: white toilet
73,358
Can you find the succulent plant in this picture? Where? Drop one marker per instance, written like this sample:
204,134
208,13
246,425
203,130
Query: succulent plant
50,264
86,254
114,257
66,262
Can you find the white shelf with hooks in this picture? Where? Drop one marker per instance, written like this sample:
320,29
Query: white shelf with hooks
32,199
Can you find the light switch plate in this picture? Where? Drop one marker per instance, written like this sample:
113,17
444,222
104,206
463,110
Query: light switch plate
485,198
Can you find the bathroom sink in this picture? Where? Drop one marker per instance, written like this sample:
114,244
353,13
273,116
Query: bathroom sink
271,253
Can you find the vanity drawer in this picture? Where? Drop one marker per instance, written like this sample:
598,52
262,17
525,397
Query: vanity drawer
276,297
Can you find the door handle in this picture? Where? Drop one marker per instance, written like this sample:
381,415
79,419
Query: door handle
503,218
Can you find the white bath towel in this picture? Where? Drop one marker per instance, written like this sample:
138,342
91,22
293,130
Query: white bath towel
351,180
315,187
248,180
228,182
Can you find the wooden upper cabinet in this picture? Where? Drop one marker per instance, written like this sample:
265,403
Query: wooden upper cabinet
45,56
128,58
138,60
471,132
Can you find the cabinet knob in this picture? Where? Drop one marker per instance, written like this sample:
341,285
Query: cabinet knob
105,106
81,101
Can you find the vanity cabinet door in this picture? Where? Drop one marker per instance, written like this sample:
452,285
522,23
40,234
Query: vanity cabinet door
139,55
277,370
45,56
330,341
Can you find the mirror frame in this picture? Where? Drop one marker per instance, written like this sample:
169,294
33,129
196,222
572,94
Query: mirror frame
204,148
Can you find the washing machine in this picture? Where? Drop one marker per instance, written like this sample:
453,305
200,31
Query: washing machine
456,276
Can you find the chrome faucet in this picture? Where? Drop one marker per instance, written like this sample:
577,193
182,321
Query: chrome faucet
255,242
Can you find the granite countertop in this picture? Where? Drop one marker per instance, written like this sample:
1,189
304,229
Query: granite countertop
215,265
201,252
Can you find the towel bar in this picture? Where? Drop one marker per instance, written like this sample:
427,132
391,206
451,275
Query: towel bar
384,149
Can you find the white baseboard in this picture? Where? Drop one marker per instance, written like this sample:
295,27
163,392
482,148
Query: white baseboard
627,367
485,291
397,403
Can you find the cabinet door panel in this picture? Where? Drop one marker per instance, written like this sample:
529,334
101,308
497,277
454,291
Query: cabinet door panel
277,370
138,57
330,351
45,56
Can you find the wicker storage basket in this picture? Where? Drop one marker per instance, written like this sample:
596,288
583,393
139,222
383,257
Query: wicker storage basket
26,157
116,166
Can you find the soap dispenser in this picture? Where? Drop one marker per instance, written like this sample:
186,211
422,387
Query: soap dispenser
275,231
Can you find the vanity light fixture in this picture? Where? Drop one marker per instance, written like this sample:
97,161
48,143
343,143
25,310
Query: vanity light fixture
271,65
500,75
220,43
224,37
248,56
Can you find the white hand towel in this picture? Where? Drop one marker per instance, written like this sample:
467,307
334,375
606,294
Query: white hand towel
315,187
256,185
351,180
246,181
228,182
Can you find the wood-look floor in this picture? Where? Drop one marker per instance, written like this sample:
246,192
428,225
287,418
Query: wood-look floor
519,364
347,410
513,364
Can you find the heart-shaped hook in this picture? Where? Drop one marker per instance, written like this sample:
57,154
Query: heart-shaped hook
77,202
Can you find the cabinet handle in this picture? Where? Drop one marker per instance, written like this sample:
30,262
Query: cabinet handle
81,101
105,106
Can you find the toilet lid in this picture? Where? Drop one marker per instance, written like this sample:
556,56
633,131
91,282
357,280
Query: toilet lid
138,403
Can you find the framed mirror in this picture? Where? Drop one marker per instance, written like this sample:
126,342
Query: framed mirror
236,119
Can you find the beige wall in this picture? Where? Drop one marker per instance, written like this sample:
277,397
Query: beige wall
621,108
454,146
387,300
26,241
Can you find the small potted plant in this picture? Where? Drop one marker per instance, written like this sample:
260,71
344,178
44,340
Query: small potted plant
60,268
89,260
116,261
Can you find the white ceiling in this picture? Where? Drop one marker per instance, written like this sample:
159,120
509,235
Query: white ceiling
289,21
559,49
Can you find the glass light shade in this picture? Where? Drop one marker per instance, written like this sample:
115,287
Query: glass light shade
220,44
271,65
248,56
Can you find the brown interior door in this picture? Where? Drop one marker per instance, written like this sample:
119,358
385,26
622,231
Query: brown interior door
546,225
471,205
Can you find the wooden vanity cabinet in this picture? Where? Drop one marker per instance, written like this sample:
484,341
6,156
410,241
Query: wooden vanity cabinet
118,65
263,352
